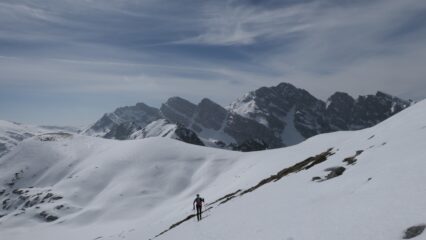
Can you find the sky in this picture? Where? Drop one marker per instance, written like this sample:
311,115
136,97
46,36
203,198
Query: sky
67,62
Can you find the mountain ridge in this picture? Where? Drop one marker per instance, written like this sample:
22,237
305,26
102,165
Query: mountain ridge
280,115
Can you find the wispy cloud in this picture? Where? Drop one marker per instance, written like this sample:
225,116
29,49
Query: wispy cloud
230,24
151,49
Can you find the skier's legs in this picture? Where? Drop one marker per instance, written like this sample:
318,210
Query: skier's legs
199,213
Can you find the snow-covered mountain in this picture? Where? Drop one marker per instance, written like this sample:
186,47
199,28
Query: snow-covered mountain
277,116
346,113
116,125
207,121
291,113
294,114
164,128
215,124
366,184
11,133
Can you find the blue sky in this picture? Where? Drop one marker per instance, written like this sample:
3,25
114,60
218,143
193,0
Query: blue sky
66,62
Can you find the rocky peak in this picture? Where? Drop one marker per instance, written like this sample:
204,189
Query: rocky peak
286,87
372,109
339,110
292,93
178,110
137,112
275,106
214,123
338,97
294,113
140,115
210,114
181,105
209,104
381,94
122,131
398,104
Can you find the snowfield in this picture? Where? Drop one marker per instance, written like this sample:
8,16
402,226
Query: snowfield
11,133
367,184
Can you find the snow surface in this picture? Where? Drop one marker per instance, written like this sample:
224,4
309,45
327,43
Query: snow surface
328,103
99,133
210,136
290,135
159,128
137,189
11,133
246,106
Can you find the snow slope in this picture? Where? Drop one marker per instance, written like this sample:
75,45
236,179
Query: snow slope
159,128
137,189
166,129
290,135
11,133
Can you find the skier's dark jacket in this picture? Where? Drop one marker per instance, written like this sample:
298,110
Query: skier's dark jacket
198,201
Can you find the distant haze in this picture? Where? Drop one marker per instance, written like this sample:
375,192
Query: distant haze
68,62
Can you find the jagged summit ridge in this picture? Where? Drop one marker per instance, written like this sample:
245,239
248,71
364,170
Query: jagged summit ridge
279,116
295,114
140,114
215,124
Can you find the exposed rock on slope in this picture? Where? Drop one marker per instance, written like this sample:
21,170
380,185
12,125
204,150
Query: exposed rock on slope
250,146
414,231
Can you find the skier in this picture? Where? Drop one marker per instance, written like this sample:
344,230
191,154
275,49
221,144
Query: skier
198,202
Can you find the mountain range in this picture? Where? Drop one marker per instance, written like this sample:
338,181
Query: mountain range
269,117
365,184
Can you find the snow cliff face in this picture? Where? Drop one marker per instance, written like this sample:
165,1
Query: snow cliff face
278,116
342,185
